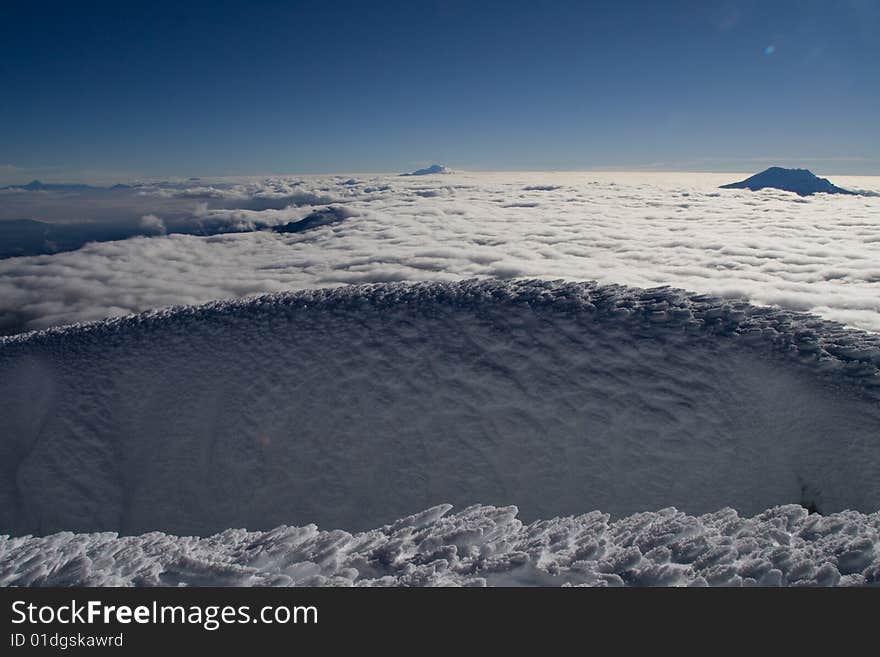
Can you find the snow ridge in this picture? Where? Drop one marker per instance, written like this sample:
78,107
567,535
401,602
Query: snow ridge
354,406
852,353
478,546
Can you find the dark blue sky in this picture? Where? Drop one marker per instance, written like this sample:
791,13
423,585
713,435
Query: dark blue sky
156,89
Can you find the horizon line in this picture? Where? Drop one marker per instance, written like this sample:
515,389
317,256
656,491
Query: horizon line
53,180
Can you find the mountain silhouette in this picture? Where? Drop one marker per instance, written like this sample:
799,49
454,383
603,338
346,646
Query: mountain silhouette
800,181
434,168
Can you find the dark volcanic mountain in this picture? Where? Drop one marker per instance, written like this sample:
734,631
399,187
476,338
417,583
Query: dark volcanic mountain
799,181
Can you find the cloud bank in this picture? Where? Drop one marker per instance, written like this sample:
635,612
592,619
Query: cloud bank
819,253
38,219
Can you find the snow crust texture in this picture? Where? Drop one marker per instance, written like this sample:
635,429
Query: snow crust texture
479,546
355,406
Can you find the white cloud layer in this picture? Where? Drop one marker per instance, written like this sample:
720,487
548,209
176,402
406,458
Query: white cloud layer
820,253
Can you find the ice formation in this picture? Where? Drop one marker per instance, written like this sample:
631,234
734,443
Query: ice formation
478,546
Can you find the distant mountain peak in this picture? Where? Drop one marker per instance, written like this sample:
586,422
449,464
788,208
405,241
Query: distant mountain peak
800,181
39,185
434,168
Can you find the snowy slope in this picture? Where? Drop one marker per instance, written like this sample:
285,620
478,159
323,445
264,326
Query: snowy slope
352,407
478,546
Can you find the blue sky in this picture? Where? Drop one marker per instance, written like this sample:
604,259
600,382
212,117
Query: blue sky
105,90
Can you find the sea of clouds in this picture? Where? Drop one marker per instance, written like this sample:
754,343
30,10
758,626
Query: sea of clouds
212,239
